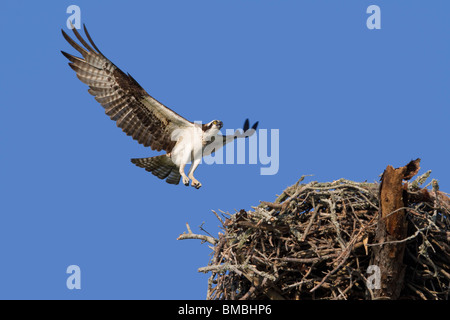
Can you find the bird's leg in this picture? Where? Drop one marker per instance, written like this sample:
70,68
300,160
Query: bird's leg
183,175
195,183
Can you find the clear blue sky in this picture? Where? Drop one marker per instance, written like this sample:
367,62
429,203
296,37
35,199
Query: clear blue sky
347,102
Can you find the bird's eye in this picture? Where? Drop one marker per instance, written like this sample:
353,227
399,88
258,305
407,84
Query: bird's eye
214,122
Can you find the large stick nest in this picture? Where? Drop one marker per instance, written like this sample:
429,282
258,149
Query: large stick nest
316,240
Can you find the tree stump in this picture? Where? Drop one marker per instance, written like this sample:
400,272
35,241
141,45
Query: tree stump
392,230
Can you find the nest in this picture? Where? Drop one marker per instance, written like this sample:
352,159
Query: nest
317,241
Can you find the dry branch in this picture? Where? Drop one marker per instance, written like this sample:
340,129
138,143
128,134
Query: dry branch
191,235
392,229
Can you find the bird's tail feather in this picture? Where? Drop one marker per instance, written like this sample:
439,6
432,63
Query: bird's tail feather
160,166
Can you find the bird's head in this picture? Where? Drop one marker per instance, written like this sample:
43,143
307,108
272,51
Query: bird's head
214,125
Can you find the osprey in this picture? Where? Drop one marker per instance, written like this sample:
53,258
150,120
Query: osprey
145,119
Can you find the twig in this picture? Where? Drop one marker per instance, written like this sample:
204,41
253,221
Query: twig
191,235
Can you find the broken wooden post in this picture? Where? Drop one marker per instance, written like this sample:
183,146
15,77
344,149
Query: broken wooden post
392,229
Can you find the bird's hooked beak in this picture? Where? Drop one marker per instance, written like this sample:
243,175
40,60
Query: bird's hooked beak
218,124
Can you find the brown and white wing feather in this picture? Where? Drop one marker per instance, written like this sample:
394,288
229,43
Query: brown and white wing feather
138,114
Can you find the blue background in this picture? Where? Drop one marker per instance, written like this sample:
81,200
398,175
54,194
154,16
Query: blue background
348,101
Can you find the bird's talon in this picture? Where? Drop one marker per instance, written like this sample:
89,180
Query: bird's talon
196,184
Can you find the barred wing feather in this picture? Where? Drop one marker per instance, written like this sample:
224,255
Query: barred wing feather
137,113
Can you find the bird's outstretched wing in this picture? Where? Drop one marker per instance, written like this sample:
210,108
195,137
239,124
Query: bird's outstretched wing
246,127
247,132
220,141
125,101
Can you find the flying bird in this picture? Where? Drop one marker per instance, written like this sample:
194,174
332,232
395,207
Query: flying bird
145,119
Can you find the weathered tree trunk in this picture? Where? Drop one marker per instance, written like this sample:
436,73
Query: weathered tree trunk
392,229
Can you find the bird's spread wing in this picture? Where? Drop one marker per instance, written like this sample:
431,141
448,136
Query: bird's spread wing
220,141
125,101
247,132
